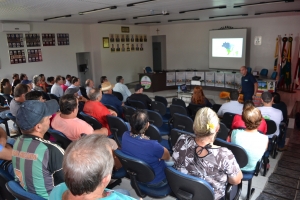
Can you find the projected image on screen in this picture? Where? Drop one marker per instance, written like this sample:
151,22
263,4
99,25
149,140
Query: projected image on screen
227,47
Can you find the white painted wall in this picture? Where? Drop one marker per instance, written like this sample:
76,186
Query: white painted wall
57,60
187,44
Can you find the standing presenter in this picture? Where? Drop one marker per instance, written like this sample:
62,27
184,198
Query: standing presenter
249,84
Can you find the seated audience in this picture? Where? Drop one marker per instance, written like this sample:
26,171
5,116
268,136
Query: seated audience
75,91
280,105
6,145
122,88
56,89
102,80
199,98
250,139
135,143
96,109
34,95
198,156
66,120
37,162
76,84
14,77
87,165
51,82
36,83
68,80
5,86
238,122
63,86
110,99
27,82
89,84
16,82
23,77
139,96
233,106
43,83
19,97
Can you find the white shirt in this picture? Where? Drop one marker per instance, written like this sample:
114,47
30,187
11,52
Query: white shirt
88,90
68,83
123,89
57,90
232,107
79,92
272,114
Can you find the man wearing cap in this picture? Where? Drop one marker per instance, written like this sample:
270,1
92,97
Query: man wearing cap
110,99
249,84
37,162
268,112
27,82
122,88
139,96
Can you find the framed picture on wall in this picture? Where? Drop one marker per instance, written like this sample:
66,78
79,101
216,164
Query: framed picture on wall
125,29
105,42
117,38
112,48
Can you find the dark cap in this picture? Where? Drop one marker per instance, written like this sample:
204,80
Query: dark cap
32,112
138,86
72,90
26,82
266,97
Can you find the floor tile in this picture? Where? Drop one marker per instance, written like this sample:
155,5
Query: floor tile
284,181
280,191
287,172
266,196
291,159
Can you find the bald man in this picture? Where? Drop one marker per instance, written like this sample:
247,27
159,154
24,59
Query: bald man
249,84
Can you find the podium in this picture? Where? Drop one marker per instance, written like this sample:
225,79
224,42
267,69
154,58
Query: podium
154,82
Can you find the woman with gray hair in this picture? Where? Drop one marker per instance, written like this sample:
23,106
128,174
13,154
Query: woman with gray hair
198,156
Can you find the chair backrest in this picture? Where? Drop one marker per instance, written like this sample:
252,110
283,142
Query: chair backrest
183,122
249,69
137,104
159,107
60,138
188,187
128,112
223,132
148,69
238,151
274,75
153,133
175,134
17,191
179,102
271,127
216,107
155,118
118,95
228,119
91,121
111,108
144,173
162,100
45,95
7,97
4,178
264,72
193,109
13,118
53,96
83,92
117,127
177,109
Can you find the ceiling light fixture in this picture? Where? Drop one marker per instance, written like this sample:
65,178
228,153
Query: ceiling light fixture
155,15
209,8
111,20
156,22
273,12
262,3
189,19
228,16
140,3
97,10
60,17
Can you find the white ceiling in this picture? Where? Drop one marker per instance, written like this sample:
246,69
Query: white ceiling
38,10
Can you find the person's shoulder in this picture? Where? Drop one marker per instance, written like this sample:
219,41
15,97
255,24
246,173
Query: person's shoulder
50,146
58,191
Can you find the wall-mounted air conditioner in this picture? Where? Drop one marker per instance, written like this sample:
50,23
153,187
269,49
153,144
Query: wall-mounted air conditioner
14,27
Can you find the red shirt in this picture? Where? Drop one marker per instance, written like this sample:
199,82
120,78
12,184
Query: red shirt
97,110
239,123
64,87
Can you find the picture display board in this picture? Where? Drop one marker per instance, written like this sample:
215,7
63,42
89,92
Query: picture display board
17,56
210,78
48,39
34,55
219,79
188,77
15,40
127,42
229,80
238,80
180,78
33,40
170,78
63,39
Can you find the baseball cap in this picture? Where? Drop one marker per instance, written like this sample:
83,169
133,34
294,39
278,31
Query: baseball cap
26,82
266,97
138,86
31,112
106,86
72,90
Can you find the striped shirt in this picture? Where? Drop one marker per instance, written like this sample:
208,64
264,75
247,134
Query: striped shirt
37,164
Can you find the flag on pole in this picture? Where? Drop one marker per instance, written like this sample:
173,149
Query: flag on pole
278,57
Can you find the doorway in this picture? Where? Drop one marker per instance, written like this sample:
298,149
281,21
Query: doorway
159,52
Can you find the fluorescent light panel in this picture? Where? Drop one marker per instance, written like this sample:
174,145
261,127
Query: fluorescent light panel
144,16
140,3
97,10
111,20
209,8
274,12
228,16
156,22
261,3
59,17
189,19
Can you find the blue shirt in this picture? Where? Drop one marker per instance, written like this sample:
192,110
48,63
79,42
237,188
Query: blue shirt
112,100
59,190
248,84
149,151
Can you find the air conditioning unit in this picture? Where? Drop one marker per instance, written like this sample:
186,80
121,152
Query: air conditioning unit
14,27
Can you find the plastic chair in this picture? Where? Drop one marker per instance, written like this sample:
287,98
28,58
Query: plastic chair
137,104
18,191
161,109
148,70
111,108
162,100
175,134
179,102
193,109
223,132
7,97
13,118
178,109
4,178
117,127
216,107
60,138
91,121
128,112
118,95
153,133
227,119
83,92
156,119
139,173
53,96
249,69
183,122
264,72
274,75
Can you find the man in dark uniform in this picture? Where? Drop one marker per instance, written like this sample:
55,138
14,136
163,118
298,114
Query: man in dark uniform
249,84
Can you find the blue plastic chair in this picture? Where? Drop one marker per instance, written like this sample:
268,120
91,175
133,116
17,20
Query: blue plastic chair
60,138
91,121
18,191
117,127
53,96
274,75
148,69
249,70
4,178
153,133
264,72
161,109
183,122
156,119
